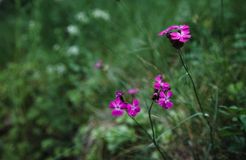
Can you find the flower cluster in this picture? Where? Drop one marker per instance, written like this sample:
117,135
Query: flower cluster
162,92
99,64
119,106
178,35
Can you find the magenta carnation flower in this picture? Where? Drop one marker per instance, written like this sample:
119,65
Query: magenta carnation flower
134,108
178,35
118,107
99,64
133,91
164,99
162,93
160,84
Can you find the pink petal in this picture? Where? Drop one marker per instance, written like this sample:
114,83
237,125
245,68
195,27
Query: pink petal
184,27
157,86
175,35
117,112
129,107
135,102
169,104
158,78
174,27
162,33
133,91
123,105
137,109
162,94
132,113
169,94
166,86
185,32
184,40
112,104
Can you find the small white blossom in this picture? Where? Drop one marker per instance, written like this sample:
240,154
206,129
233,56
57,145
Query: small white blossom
56,47
73,51
82,17
73,30
98,13
59,68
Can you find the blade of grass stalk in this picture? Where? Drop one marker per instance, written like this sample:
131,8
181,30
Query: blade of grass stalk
148,63
180,123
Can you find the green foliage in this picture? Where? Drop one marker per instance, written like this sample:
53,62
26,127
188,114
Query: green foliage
54,103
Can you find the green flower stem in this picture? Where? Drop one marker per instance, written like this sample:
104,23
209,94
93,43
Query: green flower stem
163,154
152,138
198,100
145,131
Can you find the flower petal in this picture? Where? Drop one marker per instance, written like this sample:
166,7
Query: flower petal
169,94
184,27
132,113
137,109
174,27
175,35
112,104
163,33
135,102
117,112
169,104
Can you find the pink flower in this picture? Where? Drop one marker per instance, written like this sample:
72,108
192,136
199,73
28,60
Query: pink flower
99,64
133,91
182,36
134,108
162,93
178,35
118,107
160,84
164,99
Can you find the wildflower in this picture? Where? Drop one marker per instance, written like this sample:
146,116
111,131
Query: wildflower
118,107
164,99
178,35
99,64
98,13
73,51
58,68
82,17
162,93
134,108
160,84
73,30
133,91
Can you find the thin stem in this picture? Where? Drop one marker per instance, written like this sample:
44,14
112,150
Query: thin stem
163,155
222,24
145,131
198,100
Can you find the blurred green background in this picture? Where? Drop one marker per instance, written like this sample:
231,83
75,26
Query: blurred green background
54,102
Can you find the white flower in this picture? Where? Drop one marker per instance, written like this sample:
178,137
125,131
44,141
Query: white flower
73,51
73,30
82,17
58,68
56,47
98,13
